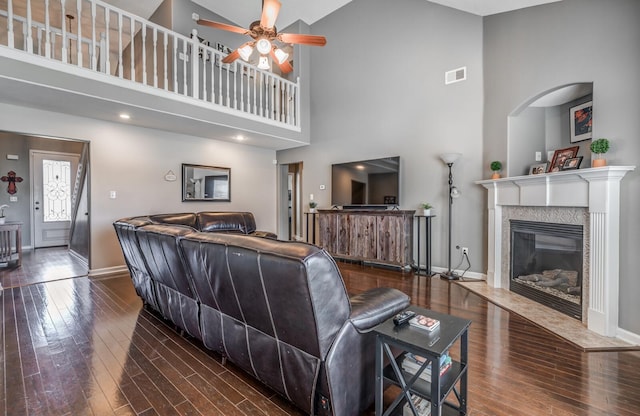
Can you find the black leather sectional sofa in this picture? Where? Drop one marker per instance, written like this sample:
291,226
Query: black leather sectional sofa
277,309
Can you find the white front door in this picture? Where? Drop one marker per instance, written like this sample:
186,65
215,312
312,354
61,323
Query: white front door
53,177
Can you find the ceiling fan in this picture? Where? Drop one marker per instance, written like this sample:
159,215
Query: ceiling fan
264,36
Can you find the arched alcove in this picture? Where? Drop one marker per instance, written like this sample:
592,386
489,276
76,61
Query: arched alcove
542,125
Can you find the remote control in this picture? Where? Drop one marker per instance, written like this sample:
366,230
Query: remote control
403,317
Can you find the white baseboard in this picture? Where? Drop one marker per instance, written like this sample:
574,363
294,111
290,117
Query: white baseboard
107,271
467,275
628,336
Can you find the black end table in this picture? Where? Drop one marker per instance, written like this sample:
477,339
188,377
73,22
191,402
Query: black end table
432,346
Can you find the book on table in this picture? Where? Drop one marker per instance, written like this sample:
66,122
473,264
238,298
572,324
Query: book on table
422,405
412,363
424,322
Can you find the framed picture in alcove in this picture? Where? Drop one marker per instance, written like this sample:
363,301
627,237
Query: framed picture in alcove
581,121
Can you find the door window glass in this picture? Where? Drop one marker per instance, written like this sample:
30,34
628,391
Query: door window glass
56,185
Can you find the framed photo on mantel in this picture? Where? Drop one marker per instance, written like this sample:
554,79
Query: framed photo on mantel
581,121
560,156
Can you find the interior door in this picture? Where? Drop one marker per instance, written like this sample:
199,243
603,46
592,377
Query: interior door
53,178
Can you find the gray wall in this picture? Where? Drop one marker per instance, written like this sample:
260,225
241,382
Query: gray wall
536,49
377,90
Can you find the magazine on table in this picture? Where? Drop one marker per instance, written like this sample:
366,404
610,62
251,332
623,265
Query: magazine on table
424,322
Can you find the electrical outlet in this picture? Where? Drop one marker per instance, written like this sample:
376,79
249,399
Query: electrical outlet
465,250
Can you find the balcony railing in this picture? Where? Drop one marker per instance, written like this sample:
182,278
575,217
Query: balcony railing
99,37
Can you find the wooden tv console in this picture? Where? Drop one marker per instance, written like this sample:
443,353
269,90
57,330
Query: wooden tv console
375,236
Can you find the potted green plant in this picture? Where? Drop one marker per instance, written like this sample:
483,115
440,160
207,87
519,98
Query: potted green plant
598,148
312,206
2,217
426,209
496,167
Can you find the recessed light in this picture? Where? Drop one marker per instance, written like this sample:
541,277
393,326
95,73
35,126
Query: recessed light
125,116
239,138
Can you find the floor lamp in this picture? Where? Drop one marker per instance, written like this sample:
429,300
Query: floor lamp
449,159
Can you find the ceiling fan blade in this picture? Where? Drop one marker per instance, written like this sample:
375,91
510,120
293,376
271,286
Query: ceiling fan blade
231,57
312,40
223,26
285,67
270,10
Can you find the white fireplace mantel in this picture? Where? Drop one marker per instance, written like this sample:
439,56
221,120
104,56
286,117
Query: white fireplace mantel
598,190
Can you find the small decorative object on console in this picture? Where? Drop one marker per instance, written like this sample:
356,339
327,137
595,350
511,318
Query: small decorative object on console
403,317
424,322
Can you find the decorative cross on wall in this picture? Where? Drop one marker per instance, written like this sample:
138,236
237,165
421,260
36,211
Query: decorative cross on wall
12,179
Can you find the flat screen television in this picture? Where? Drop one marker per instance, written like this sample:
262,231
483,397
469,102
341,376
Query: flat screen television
371,183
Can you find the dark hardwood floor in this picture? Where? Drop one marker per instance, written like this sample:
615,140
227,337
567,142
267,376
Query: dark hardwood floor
87,347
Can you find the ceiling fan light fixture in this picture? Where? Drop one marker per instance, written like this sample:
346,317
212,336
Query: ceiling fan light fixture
264,63
245,52
281,56
263,46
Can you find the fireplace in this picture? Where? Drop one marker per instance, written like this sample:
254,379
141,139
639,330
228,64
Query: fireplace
546,264
559,198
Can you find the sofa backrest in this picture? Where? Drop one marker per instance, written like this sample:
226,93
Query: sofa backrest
268,298
176,299
228,222
189,219
126,232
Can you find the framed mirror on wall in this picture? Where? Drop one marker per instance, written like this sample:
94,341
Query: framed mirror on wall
205,183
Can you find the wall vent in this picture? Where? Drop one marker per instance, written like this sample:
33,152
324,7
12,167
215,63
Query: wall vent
455,75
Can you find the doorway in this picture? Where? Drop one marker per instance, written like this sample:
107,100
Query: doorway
290,202
53,181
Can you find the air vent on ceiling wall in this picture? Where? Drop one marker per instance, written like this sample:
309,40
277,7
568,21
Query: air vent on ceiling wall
455,75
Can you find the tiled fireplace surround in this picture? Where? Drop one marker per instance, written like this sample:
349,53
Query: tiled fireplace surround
587,197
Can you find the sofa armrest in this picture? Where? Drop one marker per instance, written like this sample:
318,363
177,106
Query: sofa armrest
264,234
375,306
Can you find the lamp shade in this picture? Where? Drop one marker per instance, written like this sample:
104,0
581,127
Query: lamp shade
450,157
263,63
245,52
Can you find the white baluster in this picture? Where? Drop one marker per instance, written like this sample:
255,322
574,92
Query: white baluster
241,69
105,49
184,67
175,64
92,52
297,116
143,52
227,99
10,37
29,44
255,91
64,33
204,74
132,25
220,80
195,48
79,40
155,57
235,83
103,53
165,75
213,77
120,28
47,38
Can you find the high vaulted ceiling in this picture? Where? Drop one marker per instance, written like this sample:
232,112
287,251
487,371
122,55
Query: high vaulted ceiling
243,12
